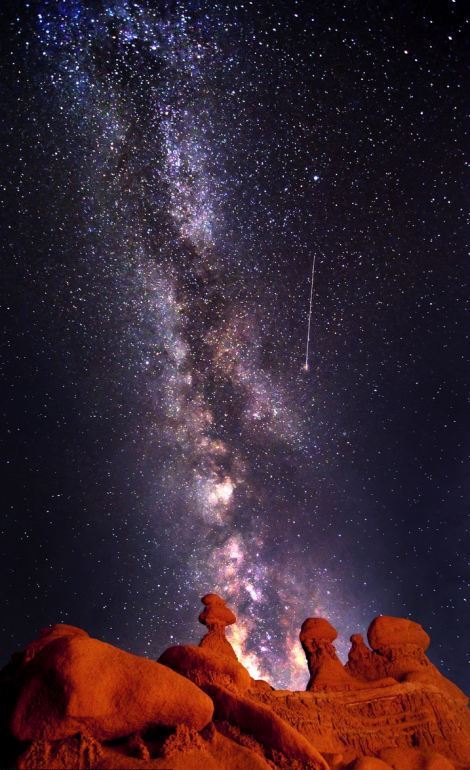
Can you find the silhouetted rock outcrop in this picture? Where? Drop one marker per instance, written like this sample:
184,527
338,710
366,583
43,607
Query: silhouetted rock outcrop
70,701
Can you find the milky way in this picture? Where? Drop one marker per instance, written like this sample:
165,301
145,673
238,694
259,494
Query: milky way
201,156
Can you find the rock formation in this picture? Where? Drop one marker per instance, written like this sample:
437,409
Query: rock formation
216,616
398,648
362,662
214,661
70,701
326,670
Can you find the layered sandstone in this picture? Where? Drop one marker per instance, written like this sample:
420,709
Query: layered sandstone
70,701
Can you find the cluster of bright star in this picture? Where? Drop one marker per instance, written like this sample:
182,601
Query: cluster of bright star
198,135
156,186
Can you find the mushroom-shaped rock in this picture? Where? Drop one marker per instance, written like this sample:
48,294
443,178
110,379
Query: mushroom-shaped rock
266,727
216,616
216,612
385,631
214,661
326,670
76,684
319,629
226,754
204,667
400,647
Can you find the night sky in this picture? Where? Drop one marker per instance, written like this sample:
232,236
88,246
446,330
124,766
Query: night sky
169,171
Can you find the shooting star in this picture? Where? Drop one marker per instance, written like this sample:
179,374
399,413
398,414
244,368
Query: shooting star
306,366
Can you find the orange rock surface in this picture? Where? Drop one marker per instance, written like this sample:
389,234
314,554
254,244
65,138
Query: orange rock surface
214,661
216,616
75,684
398,648
70,701
326,670
203,667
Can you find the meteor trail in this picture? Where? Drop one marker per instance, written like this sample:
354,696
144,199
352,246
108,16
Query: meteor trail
306,365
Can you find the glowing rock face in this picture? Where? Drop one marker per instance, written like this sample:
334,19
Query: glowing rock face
76,683
69,697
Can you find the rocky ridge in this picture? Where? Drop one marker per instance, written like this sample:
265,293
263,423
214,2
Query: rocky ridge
70,701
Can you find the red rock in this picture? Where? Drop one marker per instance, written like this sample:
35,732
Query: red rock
76,683
319,629
399,651
203,667
70,695
77,751
217,753
363,722
415,759
214,661
365,664
229,755
216,612
269,729
335,761
386,631
326,670
47,635
216,616
370,763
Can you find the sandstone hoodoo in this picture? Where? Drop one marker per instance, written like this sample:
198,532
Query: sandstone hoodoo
326,670
216,616
70,701
214,661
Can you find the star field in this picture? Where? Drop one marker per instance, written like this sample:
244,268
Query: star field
171,171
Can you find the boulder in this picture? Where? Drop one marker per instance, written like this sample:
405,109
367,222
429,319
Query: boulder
204,667
385,631
319,629
216,612
78,684
47,635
